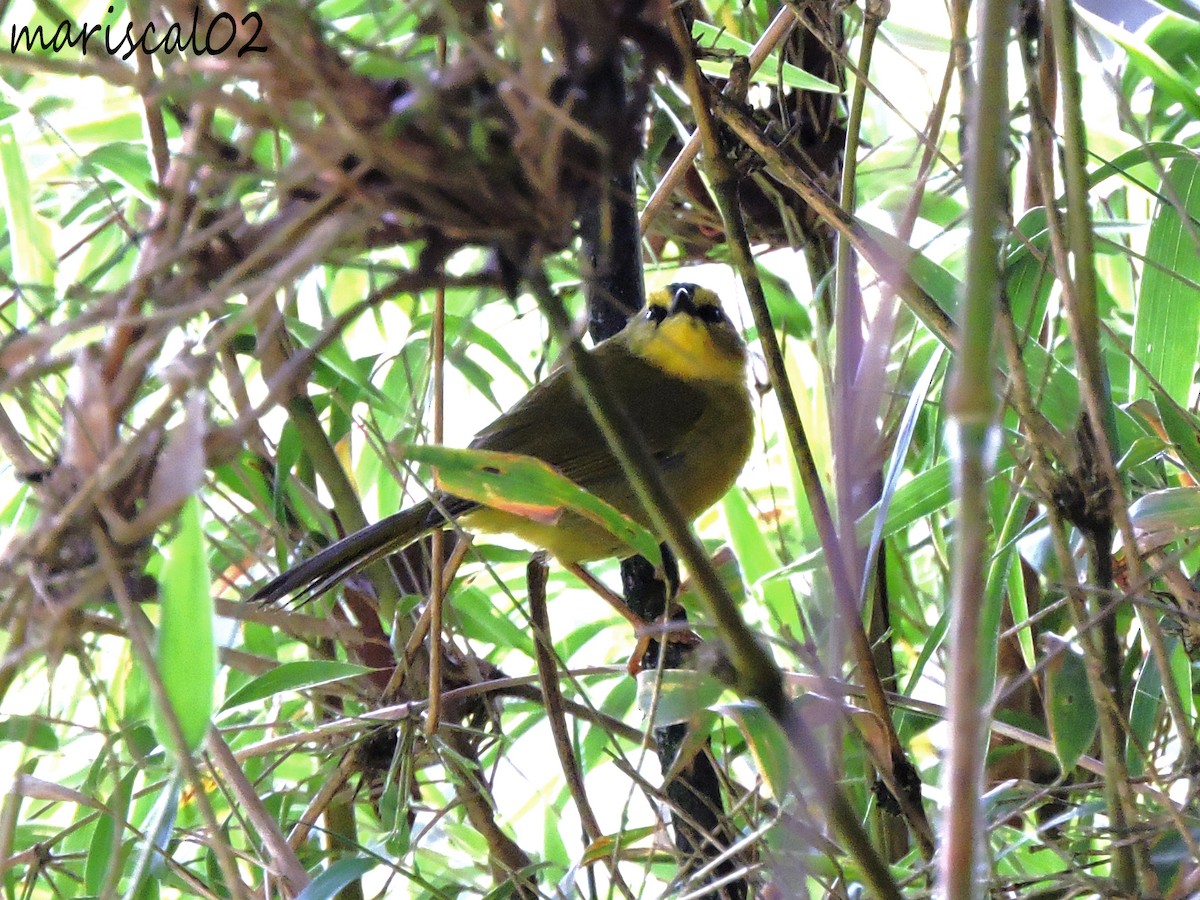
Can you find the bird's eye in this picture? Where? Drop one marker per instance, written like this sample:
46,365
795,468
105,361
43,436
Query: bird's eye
656,313
710,314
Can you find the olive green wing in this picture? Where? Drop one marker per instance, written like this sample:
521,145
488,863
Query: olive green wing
552,423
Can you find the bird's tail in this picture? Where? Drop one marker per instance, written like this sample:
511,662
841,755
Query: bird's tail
326,568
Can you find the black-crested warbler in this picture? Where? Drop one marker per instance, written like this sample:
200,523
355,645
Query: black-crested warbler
678,368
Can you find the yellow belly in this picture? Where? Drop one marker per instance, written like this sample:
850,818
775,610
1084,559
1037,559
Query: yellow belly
571,539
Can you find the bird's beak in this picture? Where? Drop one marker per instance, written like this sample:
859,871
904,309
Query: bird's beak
683,302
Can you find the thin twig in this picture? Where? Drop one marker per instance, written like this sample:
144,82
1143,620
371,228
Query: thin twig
231,774
773,35
437,552
1131,862
535,575
724,190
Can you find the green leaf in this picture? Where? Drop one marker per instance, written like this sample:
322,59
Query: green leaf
604,847
725,562
1173,39
1144,710
902,442
339,874
478,377
676,695
927,492
1181,672
758,559
294,676
1165,77
927,39
1070,709
1028,276
788,314
996,584
187,653
127,162
482,621
1166,331
911,723
697,739
527,486
936,280
1183,430
1018,602
30,731
154,848
106,850
597,739
1058,385
1171,857
1139,165
766,741
1142,451
1164,516
337,371
467,333
33,257
1181,8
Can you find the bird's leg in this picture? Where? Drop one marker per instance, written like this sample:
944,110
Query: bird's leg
662,628
608,596
669,573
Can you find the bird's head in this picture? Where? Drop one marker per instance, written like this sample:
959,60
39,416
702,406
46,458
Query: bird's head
683,330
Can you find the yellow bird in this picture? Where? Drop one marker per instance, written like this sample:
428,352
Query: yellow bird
678,368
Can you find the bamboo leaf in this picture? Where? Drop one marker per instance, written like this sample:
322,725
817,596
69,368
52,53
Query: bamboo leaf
526,486
1070,709
1166,331
186,652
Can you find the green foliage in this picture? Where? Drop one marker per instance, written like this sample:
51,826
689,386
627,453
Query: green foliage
1071,711
291,236
1165,341
186,653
